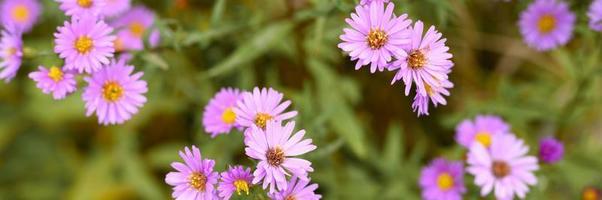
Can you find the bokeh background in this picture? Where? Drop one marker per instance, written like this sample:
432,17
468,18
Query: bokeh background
370,143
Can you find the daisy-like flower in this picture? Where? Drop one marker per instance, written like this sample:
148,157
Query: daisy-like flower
433,94
133,25
366,2
547,24
442,180
115,7
297,189
195,178
550,150
55,81
376,35
86,44
114,93
11,52
482,130
259,107
79,8
236,179
219,116
595,15
21,14
275,149
427,62
503,167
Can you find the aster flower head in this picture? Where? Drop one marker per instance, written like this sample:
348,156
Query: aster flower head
595,15
550,150
133,25
21,14
376,35
237,179
427,62
79,8
114,93
219,116
481,130
193,179
259,107
297,189
547,24
276,148
366,2
434,94
54,80
115,7
11,53
442,179
504,167
86,44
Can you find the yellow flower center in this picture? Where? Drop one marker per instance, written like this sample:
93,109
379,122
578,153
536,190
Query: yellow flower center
241,185
290,197
11,51
483,138
500,169
85,3
445,181
20,13
416,59
546,23
377,38
137,29
197,181
55,74
118,45
275,156
83,44
591,193
262,119
229,117
112,91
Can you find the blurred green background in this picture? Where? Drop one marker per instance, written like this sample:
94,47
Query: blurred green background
370,144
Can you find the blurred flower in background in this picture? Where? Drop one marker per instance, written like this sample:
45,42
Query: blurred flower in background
547,24
20,14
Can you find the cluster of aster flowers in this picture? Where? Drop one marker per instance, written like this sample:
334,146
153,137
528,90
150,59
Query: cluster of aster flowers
496,158
269,138
383,40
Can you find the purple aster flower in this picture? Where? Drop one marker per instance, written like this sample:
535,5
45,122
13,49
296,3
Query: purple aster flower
154,39
595,15
550,150
195,178
219,116
426,63
375,36
11,52
85,44
275,148
297,189
114,93
55,81
503,167
20,14
442,180
236,179
115,7
366,2
547,24
433,94
260,106
79,8
133,25
482,130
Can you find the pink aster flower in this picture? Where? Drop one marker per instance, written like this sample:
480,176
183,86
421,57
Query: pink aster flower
55,81
547,24
219,116
482,130
79,8
20,14
11,52
434,94
503,167
260,106
86,44
115,7
375,36
442,180
595,15
195,178
275,149
236,179
297,189
114,93
427,62
133,25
